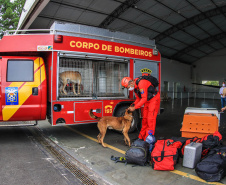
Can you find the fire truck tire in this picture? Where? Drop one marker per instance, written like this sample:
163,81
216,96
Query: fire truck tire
136,120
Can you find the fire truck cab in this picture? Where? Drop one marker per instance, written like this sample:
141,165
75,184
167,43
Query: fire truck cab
63,74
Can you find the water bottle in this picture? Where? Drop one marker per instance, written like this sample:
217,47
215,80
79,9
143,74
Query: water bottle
150,139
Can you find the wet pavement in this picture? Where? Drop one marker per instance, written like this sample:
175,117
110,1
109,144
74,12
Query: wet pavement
23,163
80,142
25,160
170,121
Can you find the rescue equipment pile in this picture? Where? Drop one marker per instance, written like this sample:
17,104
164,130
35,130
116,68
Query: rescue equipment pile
207,155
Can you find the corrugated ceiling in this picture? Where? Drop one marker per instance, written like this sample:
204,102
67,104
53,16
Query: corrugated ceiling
183,30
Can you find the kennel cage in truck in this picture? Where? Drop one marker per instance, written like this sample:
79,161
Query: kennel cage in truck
81,68
100,77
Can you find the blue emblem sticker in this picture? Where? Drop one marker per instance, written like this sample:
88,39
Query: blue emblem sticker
141,91
11,95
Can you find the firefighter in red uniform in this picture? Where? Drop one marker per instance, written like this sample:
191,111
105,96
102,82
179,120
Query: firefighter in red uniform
144,96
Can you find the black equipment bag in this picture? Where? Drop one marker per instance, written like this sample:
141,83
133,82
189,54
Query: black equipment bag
212,168
138,153
211,141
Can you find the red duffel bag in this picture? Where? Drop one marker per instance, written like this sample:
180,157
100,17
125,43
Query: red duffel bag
165,154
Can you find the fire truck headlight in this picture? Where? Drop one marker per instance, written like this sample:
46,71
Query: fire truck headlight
57,107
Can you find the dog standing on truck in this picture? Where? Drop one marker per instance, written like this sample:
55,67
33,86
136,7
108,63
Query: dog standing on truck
70,77
117,123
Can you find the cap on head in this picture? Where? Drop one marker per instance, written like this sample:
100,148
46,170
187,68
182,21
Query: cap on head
125,81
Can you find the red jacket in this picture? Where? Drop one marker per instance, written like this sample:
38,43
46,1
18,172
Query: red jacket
143,88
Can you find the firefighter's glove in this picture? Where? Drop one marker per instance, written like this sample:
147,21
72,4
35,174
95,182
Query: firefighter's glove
118,159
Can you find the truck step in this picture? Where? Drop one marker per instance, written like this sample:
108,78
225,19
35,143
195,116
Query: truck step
18,123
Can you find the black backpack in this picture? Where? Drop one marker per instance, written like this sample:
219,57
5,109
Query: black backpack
150,78
138,153
151,89
212,168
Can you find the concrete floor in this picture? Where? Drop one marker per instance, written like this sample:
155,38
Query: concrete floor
78,141
25,162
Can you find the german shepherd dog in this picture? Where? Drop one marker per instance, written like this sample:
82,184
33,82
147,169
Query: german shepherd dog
70,77
117,123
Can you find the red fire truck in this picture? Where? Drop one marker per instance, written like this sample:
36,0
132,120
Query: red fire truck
71,69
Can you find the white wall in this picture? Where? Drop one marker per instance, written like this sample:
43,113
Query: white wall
211,67
174,71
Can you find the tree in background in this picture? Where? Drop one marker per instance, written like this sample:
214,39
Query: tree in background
10,12
216,83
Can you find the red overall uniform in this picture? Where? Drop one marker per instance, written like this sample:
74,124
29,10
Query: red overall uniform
151,107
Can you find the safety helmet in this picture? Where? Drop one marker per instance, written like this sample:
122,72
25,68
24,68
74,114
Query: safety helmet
125,81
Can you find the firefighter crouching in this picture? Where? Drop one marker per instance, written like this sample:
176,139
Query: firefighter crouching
147,95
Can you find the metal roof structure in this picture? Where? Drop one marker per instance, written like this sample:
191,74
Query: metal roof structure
184,30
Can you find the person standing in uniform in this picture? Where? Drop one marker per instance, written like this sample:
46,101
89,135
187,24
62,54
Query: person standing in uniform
223,98
147,95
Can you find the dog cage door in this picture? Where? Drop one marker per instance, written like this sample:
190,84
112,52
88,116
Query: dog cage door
109,76
90,78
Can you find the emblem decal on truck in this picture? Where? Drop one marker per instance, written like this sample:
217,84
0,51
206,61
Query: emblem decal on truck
14,102
11,95
108,109
44,48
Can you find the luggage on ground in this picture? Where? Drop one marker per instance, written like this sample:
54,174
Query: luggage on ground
183,141
211,141
138,153
165,154
188,141
192,154
208,142
212,168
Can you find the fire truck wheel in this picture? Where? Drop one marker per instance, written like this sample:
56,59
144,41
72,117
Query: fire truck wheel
136,120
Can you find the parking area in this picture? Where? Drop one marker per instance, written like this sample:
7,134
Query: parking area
46,154
81,143
66,64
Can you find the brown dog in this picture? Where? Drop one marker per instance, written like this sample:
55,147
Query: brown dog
117,123
70,77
